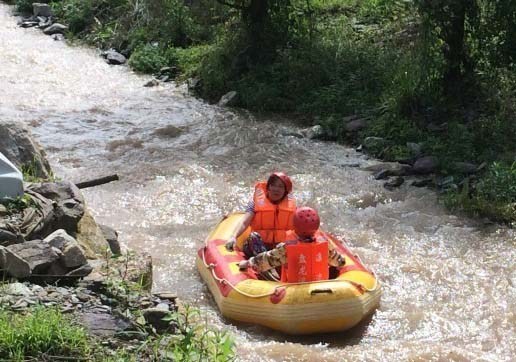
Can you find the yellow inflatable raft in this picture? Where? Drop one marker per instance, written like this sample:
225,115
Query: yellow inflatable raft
293,308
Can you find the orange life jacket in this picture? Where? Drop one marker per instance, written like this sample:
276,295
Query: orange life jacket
270,220
306,262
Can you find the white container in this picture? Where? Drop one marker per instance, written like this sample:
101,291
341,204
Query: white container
11,179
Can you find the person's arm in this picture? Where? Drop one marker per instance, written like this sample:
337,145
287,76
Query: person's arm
267,260
244,224
334,258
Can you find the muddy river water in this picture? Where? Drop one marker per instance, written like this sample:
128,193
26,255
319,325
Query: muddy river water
448,281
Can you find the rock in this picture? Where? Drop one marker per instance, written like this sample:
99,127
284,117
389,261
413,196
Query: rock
59,239
29,24
193,84
286,132
16,289
152,83
90,237
69,202
315,132
103,324
395,182
425,165
112,238
73,256
40,9
113,57
169,131
55,28
465,167
22,260
57,269
355,125
228,100
7,238
18,145
81,271
43,22
167,295
382,174
58,37
154,317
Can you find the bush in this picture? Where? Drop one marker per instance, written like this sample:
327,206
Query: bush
147,59
493,197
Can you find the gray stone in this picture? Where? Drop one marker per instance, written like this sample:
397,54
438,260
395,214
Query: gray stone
55,28
193,83
315,132
59,239
154,317
3,210
19,146
113,57
57,269
425,165
73,256
169,131
22,260
112,238
7,237
16,289
395,182
103,324
81,271
40,9
228,100
69,203
152,83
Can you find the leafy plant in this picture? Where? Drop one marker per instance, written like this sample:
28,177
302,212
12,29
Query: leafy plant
41,333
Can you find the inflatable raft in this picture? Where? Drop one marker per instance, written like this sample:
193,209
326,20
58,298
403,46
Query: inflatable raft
293,308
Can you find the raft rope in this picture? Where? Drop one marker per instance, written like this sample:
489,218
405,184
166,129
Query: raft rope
211,267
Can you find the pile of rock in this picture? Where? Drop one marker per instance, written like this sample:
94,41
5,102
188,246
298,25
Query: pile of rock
43,18
37,240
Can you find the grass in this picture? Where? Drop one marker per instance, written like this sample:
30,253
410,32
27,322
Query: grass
41,333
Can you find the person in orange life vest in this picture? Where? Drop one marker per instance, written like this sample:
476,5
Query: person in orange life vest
304,257
270,215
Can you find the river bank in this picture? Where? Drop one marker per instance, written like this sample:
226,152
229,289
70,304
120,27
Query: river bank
377,84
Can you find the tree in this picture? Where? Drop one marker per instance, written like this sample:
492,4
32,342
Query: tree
449,19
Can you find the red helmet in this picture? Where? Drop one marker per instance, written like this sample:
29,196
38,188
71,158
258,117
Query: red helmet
284,178
306,221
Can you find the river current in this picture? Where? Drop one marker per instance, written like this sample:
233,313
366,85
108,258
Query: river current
448,281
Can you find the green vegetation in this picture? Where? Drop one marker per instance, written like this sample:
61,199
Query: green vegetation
41,333
438,73
19,204
46,334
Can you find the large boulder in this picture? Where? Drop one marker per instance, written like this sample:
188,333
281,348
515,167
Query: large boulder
68,200
22,260
19,146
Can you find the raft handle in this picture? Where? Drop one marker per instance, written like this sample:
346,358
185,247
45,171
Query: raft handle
321,291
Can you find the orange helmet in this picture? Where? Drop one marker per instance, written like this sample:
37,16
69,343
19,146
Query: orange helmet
284,178
306,221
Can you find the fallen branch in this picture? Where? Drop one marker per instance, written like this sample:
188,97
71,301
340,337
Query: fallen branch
97,182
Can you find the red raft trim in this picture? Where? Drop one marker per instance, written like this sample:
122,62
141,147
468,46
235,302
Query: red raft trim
220,265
